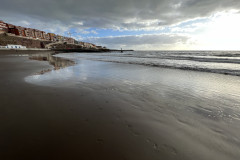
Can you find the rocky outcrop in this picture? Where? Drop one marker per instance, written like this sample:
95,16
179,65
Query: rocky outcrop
63,46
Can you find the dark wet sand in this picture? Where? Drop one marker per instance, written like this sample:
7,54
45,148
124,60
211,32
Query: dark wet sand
63,123
54,123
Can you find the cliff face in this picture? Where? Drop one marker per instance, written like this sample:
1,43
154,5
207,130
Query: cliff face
29,43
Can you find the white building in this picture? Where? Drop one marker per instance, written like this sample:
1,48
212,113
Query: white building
13,46
88,45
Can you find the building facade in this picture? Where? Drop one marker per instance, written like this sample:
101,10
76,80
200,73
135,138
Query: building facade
12,29
40,35
46,36
70,40
52,37
59,38
13,46
28,32
21,31
3,27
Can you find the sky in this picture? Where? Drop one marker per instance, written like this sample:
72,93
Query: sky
134,24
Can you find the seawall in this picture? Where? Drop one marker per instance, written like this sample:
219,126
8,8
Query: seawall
29,43
24,51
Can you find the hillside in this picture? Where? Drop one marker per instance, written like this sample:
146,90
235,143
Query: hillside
29,43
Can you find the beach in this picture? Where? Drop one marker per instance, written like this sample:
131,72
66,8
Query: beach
86,109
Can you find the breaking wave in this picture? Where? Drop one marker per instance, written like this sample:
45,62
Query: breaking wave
223,62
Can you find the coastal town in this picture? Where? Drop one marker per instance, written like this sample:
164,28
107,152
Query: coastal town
47,40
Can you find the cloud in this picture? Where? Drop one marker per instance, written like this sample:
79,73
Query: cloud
192,18
142,42
124,14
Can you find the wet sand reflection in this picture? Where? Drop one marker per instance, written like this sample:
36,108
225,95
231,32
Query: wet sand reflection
56,62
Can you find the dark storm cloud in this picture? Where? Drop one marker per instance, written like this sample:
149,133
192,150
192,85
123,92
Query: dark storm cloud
125,14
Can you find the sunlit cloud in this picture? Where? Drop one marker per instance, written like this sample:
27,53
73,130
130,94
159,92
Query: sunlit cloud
207,24
221,33
142,42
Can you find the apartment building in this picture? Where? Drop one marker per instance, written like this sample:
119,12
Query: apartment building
12,29
46,36
60,38
42,34
21,31
70,40
3,27
29,33
38,34
52,37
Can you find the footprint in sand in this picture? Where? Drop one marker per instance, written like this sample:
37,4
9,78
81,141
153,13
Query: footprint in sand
130,127
100,140
169,148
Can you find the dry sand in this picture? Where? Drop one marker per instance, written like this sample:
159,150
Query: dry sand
64,123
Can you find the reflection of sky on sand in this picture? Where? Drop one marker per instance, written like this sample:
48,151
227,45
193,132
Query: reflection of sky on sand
56,62
221,90
202,108
54,77
188,81
159,80
193,94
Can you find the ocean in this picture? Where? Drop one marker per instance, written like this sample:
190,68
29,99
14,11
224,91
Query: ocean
182,104
224,62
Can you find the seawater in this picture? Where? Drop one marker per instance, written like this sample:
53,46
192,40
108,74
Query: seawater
197,112
224,62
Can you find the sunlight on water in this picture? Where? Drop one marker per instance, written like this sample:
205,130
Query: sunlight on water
220,91
200,108
208,61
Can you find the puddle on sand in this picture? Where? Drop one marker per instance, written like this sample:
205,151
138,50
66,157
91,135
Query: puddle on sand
56,62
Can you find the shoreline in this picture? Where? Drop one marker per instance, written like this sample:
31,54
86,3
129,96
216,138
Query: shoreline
102,110
80,50
23,51
39,122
